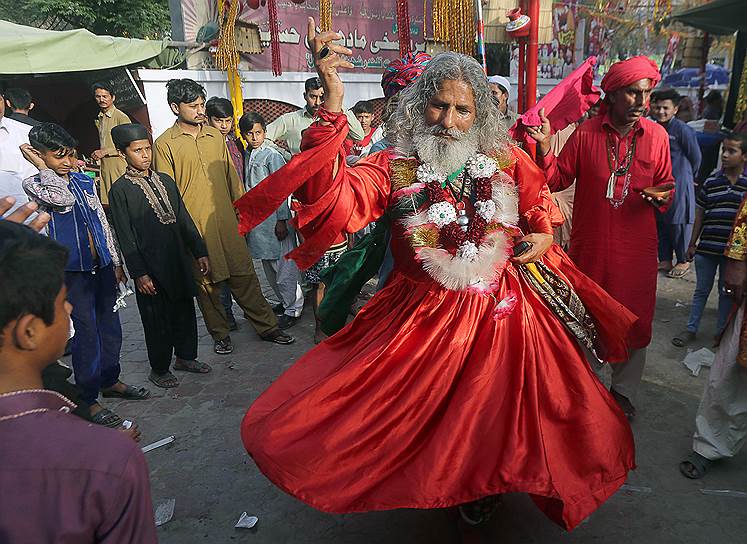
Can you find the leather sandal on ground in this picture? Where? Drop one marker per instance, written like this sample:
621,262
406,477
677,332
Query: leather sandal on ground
683,338
130,393
192,366
107,418
278,337
695,466
678,272
165,381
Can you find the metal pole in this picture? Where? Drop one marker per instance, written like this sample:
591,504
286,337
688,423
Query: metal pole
703,72
520,101
481,35
532,53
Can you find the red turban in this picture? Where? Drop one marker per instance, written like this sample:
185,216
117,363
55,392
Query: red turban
401,72
629,71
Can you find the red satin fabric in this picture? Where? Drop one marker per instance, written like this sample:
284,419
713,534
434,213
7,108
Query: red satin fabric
425,401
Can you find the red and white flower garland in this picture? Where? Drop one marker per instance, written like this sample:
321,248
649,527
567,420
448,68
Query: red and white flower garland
482,248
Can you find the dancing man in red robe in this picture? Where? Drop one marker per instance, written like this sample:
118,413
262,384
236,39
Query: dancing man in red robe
616,159
464,377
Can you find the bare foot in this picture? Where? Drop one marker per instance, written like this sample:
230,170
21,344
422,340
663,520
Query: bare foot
665,266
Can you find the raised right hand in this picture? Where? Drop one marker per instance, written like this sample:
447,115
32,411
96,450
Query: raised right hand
32,155
327,66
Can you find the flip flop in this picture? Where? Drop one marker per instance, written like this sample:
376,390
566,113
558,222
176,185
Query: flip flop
165,381
678,272
683,338
192,366
695,466
107,418
130,393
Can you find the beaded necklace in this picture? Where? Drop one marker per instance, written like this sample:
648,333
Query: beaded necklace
619,168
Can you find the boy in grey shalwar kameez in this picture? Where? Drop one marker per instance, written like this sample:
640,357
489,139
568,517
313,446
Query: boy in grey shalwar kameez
272,239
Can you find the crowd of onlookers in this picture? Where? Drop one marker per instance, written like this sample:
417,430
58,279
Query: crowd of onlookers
162,212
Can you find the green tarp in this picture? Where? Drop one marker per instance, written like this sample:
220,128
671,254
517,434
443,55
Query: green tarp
28,50
716,17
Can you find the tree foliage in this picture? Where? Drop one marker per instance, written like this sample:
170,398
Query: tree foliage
130,19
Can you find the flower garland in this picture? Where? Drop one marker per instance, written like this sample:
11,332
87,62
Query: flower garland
458,251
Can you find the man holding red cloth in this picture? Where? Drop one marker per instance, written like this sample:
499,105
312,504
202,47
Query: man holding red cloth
617,158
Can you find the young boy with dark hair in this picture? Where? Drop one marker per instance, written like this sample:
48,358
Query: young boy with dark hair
62,479
220,116
675,226
272,239
160,243
195,156
364,112
93,269
717,202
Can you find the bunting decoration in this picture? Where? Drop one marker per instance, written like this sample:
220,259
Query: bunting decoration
227,56
454,24
272,9
325,15
403,28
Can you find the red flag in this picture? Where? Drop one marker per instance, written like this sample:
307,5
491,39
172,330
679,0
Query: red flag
563,105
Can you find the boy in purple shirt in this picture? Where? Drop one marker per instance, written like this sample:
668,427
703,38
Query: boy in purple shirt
62,479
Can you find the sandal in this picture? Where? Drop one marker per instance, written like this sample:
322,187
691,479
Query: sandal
192,366
130,393
476,512
165,381
695,466
678,272
683,338
107,418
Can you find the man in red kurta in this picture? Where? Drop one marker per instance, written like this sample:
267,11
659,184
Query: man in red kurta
614,157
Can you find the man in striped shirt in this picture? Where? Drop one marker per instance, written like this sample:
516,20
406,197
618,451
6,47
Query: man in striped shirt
717,203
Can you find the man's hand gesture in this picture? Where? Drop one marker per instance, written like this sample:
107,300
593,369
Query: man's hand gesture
328,57
542,133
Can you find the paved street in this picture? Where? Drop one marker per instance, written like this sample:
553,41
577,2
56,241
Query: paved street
213,481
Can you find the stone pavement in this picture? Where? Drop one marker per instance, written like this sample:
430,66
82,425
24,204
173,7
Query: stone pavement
213,480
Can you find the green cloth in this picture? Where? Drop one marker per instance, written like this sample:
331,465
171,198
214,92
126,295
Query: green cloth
28,50
345,279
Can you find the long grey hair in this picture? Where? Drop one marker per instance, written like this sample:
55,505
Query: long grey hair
404,127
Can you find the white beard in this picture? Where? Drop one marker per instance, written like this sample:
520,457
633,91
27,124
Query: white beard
447,155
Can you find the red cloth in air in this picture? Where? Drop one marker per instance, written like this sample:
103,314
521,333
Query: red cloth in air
424,400
564,104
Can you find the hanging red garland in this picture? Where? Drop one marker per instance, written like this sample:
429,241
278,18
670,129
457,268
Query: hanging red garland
403,27
272,9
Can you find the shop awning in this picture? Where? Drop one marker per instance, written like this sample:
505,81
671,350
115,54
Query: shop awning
716,17
28,50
